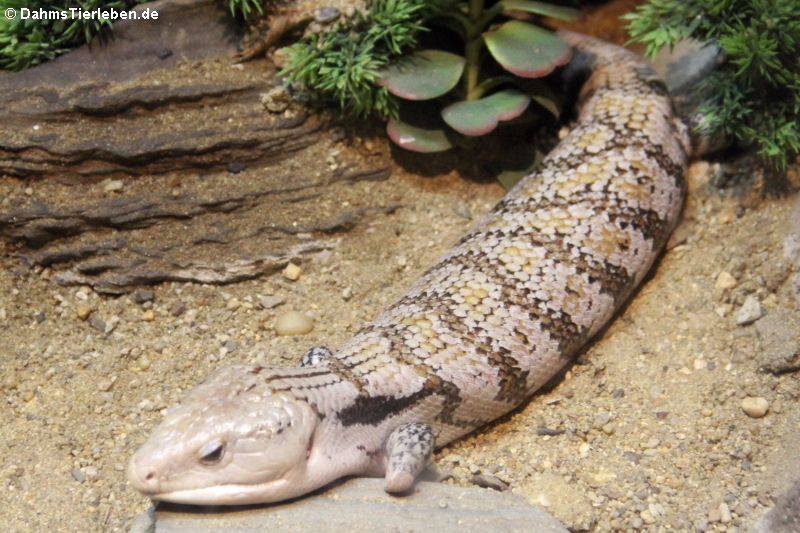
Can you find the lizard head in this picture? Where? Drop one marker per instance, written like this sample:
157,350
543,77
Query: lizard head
238,437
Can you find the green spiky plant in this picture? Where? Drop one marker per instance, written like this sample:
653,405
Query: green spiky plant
30,41
479,83
245,9
344,62
754,96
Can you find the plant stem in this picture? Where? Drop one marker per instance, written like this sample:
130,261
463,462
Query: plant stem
489,84
475,9
472,49
472,53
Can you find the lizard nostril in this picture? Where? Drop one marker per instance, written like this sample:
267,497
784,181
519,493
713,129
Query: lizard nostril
144,478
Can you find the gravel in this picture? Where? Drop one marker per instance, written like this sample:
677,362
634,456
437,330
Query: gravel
75,398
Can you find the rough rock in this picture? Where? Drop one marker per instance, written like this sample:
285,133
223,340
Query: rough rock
229,235
784,516
361,505
163,103
779,337
103,110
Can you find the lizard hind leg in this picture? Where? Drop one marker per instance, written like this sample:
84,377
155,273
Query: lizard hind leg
408,449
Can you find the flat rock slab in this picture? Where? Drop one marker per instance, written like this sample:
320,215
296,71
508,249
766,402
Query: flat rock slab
218,229
361,505
185,30
158,96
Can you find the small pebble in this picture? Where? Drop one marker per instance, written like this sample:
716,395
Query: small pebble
656,510
347,293
77,475
39,317
583,450
601,419
148,316
104,385
488,481
233,304
463,210
725,281
550,432
293,323
91,473
146,405
652,443
327,14
749,312
83,311
113,185
235,167
28,393
230,346
755,407
268,302
177,309
724,513
292,272
97,323
112,323
276,100
142,295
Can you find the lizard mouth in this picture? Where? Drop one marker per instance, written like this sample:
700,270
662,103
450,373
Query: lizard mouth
229,494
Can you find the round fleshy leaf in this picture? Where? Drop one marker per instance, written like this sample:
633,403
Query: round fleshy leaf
547,103
540,8
526,50
479,117
416,139
423,75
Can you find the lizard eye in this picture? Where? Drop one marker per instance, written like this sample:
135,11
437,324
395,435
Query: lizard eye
211,452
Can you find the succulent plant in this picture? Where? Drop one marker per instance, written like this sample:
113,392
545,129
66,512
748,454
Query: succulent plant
492,82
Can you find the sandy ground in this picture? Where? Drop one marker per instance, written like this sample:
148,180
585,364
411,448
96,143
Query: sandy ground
650,432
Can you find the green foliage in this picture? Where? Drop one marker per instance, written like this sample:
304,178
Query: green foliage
355,63
345,61
245,8
755,94
30,41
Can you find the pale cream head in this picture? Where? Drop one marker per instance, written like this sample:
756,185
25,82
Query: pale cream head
232,440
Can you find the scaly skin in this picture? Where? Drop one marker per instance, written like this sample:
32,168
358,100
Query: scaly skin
487,325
